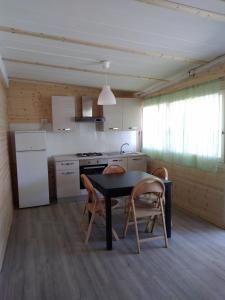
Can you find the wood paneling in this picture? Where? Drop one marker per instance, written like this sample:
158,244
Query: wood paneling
29,102
199,192
5,182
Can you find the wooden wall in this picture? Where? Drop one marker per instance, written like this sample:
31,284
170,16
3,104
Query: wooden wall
6,209
196,191
29,102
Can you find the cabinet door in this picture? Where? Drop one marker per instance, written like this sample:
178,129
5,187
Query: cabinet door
63,113
137,163
67,183
120,161
67,165
131,114
113,116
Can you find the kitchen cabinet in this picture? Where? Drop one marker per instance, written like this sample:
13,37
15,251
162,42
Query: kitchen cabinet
136,163
125,115
113,116
67,179
120,161
63,113
131,114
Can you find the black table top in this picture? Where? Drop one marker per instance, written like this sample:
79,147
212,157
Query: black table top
119,184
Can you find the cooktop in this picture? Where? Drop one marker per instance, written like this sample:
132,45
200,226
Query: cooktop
87,154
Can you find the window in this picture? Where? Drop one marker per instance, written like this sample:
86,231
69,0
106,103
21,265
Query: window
187,129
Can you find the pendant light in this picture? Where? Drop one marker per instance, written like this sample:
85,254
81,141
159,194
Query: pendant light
106,96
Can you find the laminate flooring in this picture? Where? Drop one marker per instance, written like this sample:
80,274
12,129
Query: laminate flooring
46,259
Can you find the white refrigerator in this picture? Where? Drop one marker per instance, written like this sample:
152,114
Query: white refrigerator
32,168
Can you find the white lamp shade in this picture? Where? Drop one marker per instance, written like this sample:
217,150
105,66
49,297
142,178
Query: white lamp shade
106,96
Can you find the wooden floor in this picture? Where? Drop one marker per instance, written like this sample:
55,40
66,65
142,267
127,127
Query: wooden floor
47,259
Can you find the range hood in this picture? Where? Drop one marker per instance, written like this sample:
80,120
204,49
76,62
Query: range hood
87,111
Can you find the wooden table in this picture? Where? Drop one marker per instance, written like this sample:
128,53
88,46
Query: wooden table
116,185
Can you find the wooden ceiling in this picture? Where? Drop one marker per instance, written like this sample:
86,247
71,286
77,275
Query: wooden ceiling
147,41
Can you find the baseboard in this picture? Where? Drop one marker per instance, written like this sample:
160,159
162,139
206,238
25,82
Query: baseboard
196,215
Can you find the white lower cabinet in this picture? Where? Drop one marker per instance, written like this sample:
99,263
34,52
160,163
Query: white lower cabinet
120,161
67,179
137,163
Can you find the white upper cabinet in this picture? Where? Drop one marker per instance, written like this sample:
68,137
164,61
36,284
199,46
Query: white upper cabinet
113,116
131,114
124,115
63,113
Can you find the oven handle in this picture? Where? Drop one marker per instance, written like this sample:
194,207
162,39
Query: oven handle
94,167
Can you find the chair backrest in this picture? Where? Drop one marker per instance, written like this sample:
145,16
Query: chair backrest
148,185
89,187
161,173
114,169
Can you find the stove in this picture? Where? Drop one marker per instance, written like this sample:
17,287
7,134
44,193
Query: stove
88,154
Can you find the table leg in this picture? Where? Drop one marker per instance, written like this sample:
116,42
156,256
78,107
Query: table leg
108,223
168,209
89,213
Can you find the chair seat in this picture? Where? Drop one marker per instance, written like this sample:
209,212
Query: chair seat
144,203
149,197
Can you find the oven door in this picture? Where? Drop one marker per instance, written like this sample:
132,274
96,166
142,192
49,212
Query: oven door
91,169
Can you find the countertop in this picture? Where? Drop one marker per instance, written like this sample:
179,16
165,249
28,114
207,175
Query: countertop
65,157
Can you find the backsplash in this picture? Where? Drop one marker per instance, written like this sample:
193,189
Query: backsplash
84,139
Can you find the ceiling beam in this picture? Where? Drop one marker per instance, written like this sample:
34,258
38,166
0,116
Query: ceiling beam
213,70
196,11
3,73
213,73
136,51
68,68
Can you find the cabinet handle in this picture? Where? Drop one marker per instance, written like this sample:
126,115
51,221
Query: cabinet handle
113,128
64,129
94,167
136,159
132,128
67,164
117,160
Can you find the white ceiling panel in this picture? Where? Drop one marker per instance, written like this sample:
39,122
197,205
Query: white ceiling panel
47,74
129,24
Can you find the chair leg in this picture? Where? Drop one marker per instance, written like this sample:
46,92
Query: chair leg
127,221
89,228
125,200
153,224
84,211
148,224
164,224
85,205
115,234
113,230
136,229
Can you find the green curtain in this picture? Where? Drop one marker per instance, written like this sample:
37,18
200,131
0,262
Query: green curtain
185,127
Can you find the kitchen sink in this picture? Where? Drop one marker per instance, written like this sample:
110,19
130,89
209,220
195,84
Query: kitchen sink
125,153
132,152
